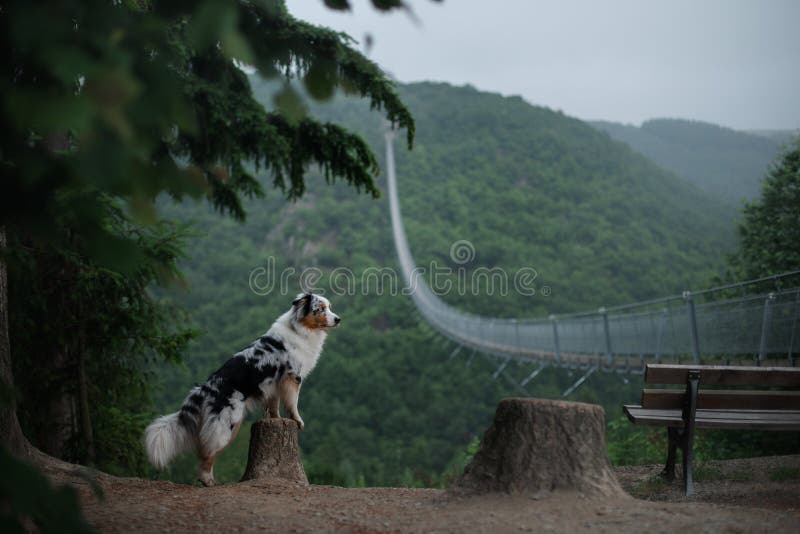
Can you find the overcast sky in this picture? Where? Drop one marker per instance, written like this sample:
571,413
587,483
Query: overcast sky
731,62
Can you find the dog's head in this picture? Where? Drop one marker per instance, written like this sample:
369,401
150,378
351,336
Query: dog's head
314,312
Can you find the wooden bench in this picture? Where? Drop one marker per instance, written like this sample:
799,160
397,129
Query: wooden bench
681,411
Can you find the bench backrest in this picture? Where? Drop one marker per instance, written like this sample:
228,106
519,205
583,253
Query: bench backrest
717,375
723,375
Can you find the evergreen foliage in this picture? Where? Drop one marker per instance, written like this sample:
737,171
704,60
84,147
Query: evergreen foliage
86,333
119,97
770,231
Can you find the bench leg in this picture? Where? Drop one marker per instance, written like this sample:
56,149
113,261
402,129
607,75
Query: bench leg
680,439
687,439
688,483
673,436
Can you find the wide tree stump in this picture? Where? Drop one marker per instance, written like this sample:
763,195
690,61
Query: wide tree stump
274,452
539,445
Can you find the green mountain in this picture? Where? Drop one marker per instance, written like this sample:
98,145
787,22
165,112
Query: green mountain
527,187
725,163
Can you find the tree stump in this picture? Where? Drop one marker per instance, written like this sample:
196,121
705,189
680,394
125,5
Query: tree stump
539,445
274,452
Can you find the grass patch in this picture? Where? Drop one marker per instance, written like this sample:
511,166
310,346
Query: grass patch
706,473
784,473
650,486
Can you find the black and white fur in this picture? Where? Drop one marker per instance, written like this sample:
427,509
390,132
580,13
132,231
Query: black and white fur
269,370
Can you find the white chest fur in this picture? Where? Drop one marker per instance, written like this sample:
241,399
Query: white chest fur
303,345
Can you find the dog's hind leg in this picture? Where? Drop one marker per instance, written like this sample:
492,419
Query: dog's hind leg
217,437
206,474
289,392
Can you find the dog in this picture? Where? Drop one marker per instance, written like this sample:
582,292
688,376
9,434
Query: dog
267,372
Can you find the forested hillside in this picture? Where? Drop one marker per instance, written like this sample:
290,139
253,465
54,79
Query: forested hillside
528,187
725,163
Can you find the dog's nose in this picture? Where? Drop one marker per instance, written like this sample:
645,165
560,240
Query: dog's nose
337,320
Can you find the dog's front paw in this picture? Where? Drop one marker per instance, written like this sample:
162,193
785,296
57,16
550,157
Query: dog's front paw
206,480
299,421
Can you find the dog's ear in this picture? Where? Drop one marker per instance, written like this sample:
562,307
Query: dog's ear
302,303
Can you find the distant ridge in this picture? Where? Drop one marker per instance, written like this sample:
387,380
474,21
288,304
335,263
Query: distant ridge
727,163
782,137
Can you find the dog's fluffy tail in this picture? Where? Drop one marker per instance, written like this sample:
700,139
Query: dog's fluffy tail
165,438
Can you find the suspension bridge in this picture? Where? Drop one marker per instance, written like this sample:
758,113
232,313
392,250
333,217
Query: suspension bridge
755,327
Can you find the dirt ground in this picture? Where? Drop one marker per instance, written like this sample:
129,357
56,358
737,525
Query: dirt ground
754,495
770,483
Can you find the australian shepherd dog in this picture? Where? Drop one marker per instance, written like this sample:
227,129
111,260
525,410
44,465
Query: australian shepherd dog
268,371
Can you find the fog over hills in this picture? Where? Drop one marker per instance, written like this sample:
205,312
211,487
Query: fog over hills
727,163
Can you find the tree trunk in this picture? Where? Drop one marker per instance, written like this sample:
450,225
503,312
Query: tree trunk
87,436
274,452
10,432
59,409
539,445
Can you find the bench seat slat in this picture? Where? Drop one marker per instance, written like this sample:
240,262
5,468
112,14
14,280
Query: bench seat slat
752,419
735,414
712,399
738,425
724,375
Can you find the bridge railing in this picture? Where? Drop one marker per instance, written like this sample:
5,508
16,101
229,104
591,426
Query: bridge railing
757,325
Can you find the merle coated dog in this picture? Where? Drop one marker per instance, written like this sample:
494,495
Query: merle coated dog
265,373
